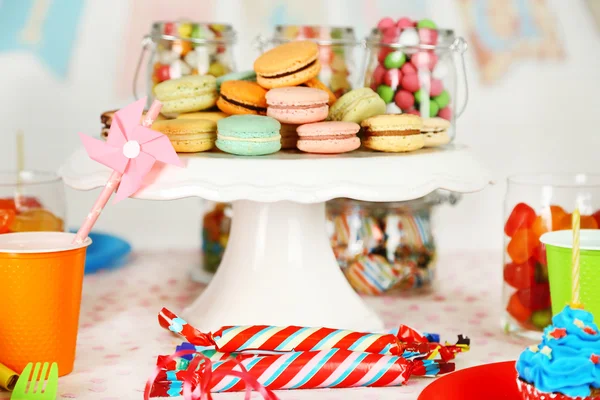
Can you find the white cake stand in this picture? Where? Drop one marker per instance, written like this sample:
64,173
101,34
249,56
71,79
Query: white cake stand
278,268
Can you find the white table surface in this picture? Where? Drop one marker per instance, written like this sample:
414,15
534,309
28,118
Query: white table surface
119,335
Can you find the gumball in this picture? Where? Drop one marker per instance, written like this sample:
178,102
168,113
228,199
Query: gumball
378,74
424,59
536,297
408,69
433,109
522,216
443,99
426,24
419,94
404,23
436,87
394,60
162,73
217,69
409,37
169,28
182,46
517,310
445,113
410,82
520,276
390,35
413,111
541,318
522,245
428,36
374,85
383,53
385,23
404,99
386,93
7,217
167,56
392,77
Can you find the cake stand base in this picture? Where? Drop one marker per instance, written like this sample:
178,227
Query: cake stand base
279,269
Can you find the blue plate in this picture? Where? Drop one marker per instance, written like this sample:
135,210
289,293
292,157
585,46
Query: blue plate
106,252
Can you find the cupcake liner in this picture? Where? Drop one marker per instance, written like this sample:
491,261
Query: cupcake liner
529,392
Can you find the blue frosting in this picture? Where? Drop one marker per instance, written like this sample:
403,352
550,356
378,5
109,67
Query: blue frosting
566,360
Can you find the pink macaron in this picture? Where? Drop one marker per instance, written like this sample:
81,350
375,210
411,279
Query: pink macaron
329,137
297,105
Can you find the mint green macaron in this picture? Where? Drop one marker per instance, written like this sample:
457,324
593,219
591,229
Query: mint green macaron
248,135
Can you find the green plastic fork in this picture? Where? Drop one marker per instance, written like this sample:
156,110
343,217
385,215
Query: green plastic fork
34,387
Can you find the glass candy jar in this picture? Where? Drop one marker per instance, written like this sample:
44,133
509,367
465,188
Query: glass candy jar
534,205
336,52
417,73
384,248
186,48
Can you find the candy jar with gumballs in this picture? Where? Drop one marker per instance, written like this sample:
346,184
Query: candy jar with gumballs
534,205
181,48
412,66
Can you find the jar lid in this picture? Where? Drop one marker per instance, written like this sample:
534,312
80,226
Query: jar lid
320,34
435,198
196,32
446,38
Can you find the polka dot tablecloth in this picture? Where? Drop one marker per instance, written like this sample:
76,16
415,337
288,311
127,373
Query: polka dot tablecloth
119,336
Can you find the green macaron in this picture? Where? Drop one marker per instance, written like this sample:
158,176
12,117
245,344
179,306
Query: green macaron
248,135
356,106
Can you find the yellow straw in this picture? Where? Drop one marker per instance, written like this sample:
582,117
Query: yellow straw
575,257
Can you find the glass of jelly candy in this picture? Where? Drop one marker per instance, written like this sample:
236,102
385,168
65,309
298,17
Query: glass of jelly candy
534,205
31,201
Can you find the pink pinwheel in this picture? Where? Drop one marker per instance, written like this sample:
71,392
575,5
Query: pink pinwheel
131,151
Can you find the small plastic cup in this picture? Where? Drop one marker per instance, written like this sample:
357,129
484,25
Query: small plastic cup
41,276
558,251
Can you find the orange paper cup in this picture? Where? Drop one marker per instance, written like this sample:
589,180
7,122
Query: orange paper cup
41,275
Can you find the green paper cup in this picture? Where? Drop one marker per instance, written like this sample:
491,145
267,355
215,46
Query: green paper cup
558,251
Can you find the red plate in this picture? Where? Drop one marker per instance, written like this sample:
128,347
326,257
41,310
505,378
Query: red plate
497,381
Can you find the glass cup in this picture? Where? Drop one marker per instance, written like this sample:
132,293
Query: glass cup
41,276
31,201
534,205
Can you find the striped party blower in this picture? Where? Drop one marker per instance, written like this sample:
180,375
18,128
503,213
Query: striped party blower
231,339
333,368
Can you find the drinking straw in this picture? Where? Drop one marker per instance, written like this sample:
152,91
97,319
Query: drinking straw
576,224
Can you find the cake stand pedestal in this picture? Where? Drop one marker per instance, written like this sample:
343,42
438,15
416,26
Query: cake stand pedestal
279,268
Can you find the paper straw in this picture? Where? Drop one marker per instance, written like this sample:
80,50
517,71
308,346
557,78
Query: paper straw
575,257
111,185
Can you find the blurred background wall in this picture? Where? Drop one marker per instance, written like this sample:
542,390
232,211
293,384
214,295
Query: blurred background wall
533,68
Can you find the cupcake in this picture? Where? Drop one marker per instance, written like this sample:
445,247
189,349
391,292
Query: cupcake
566,364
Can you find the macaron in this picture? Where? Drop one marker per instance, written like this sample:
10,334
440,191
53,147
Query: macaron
188,135
187,94
356,106
289,136
249,75
393,133
297,105
317,84
242,97
106,119
328,137
289,64
210,115
435,131
248,135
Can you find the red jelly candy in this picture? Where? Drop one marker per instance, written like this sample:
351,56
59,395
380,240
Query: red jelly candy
7,216
536,297
522,245
517,310
539,254
24,203
596,216
8,204
521,217
520,276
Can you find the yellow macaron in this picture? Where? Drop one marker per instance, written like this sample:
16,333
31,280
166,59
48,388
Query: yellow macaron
188,135
394,133
210,115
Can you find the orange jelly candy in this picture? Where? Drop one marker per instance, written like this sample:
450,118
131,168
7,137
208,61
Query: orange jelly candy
517,310
522,245
585,222
7,216
36,220
548,220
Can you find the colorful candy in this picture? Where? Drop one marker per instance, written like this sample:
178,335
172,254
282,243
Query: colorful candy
418,67
26,214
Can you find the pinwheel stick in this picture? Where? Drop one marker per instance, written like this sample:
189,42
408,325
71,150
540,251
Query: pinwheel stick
111,185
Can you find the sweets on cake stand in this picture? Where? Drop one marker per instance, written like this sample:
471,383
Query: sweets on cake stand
279,268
